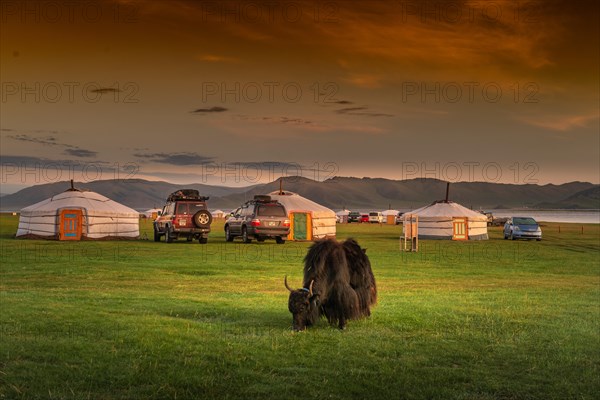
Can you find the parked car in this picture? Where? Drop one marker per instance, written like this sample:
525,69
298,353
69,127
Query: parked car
364,218
399,218
354,216
522,228
184,215
261,218
375,217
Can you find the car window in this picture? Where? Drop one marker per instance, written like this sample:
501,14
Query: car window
270,210
182,209
374,214
169,208
195,207
245,211
524,221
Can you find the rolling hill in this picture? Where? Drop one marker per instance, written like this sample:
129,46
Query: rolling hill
336,193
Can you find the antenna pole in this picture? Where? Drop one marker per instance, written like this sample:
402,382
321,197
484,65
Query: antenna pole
281,186
447,190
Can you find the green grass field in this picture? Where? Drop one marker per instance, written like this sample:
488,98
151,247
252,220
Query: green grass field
143,320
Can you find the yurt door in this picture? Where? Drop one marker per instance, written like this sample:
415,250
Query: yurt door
459,229
300,226
69,223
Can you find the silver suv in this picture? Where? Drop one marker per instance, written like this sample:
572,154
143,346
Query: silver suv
260,219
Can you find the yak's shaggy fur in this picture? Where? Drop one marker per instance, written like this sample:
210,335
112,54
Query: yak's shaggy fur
338,283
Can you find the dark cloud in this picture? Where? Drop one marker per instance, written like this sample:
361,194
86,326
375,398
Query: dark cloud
81,153
46,140
179,159
105,90
269,165
361,111
53,141
342,102
210,110
276,120
46,163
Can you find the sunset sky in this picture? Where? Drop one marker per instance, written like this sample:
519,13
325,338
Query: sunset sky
236,93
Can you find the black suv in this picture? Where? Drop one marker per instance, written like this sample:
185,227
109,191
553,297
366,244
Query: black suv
261,218
185,214
354,216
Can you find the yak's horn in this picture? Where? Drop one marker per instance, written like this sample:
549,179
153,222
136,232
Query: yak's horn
310,287
286,284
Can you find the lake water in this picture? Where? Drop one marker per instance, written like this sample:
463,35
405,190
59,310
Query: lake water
568,216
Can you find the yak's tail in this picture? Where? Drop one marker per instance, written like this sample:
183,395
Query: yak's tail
362,279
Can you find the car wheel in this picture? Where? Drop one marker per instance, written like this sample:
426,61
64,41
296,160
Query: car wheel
189,238
228,236
202,240
202,219
169,235
156,235
538,240
279,240
245,237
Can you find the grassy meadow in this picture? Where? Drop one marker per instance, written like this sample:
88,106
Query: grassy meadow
142,320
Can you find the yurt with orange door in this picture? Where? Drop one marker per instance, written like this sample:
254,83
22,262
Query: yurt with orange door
308,220
76,215
448,220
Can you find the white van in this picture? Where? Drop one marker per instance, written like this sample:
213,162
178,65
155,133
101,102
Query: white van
375,217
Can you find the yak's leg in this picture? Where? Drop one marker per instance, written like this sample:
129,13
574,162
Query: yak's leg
342,324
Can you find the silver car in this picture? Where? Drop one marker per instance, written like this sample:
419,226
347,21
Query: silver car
522,228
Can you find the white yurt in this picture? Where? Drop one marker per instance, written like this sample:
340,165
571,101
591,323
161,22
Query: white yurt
342,216
75,215
152,213
389,216
308,220
448,220
218,214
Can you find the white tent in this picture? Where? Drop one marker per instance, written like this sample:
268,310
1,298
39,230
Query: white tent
75,215
342,213
308,220
218,214
152,213
449,220
390,212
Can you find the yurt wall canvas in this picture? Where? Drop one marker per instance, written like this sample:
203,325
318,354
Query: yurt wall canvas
449,220
74,215
308,220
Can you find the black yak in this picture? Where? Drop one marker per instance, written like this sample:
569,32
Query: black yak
338,283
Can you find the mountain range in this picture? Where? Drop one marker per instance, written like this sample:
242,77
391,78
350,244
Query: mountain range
337,193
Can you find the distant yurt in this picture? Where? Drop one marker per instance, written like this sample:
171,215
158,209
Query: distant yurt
75,215
218,214
389,216
308,220
449,220
342,216
152,213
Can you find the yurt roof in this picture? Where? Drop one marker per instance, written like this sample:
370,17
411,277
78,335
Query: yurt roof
218,212
390,212
91,201
343,212
446,209
294,202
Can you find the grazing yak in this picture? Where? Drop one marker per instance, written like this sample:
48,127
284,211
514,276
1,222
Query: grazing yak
338,283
